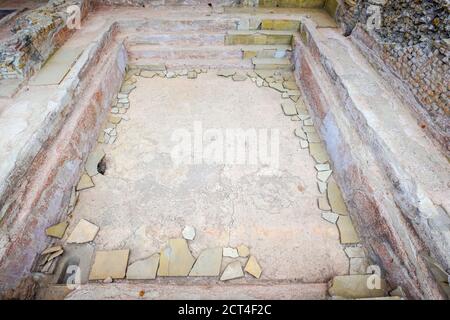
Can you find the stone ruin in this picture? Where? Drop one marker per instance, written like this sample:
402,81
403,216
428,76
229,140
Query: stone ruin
365,82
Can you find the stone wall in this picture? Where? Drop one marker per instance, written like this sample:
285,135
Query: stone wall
292,3
412,49
250,3
37,34
150,3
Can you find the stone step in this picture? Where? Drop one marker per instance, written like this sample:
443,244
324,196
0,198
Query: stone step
271,64
280,24
195,24
266,51
175,38
196,63
150,51
178,52
292,3
258,37
56,68
171,290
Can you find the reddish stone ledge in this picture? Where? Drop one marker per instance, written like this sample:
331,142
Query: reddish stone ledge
380,190
40,199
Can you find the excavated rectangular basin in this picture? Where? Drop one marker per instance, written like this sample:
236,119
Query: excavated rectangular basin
282,213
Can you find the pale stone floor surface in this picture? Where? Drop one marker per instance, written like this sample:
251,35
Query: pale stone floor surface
143,199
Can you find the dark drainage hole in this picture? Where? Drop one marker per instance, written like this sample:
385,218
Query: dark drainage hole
101,166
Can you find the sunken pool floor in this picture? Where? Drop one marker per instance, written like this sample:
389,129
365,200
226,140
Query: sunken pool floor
230,154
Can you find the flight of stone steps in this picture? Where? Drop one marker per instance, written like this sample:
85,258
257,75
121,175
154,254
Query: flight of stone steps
240,42
267,42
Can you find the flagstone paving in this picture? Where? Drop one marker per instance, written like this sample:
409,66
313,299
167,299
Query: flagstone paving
144,269
232,271
57,230
145,202
208,263
111,263
83,232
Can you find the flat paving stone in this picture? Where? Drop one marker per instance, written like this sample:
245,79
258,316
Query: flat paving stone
290,85
303,116
192,75
109,264
144,269
226,73
252,267
230,252
288,108
239,77
330,216
318,152
176,259
126,89
57,230
55,254
335,198
85,182
277,86
355,252
208,263
243,251
313,137
355,287
114,119
188,233
300,133
358,266
264,73
57,66
322,186
84,231
232,271
51,250
324,175
322,167
147,74
347,231
309,129
304,144
323,204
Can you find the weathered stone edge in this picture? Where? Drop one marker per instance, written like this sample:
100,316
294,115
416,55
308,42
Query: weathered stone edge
388,235
42,198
